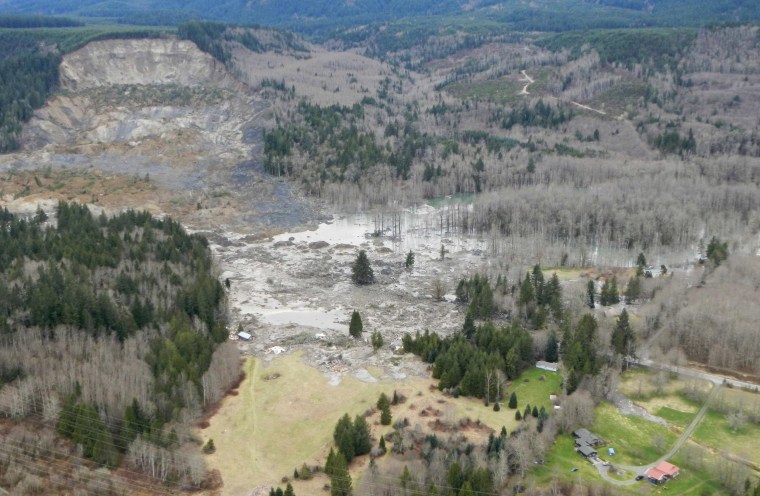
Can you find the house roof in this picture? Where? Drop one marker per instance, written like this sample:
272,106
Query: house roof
587,450
244,335
581,433
667,468
655,474
662,470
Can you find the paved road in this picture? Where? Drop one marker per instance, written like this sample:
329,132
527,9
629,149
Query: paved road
696,373
639,470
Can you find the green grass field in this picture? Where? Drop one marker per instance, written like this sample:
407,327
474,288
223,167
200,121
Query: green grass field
715,432
636,441
530,389
560,460
533,388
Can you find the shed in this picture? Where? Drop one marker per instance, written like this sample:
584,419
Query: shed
550,366
611,451
244,336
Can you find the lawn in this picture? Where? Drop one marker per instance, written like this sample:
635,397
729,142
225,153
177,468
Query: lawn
560,460
534,386
715,432
636,441
530,389
627,435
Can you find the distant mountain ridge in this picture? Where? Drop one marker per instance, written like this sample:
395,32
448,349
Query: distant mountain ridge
323,15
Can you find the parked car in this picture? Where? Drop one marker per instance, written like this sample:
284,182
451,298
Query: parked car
639,477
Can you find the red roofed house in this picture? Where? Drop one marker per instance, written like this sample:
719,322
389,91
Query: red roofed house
662,472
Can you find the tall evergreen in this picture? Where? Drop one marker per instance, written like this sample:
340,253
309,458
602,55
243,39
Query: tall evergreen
361,270
344,437
362,439
355,327
409,262
622,335
552,348
340,479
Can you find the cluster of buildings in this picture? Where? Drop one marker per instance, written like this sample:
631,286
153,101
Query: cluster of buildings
586,443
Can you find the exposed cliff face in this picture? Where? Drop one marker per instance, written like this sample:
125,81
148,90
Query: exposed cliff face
146,61
125,91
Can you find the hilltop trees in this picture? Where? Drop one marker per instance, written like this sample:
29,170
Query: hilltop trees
361,270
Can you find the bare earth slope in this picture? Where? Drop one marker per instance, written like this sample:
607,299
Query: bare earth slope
146,61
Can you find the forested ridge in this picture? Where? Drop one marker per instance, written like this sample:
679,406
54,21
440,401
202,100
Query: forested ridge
112,331
323,16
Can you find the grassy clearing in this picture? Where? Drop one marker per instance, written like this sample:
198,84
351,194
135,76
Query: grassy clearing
530,389
643,385
636,441
674,417
534,386
275,424
620,98
715,432
504,90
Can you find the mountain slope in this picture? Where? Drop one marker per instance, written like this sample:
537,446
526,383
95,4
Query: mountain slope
552,15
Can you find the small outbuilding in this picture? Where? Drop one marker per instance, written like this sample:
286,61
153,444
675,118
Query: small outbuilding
611,451
244,336
550,366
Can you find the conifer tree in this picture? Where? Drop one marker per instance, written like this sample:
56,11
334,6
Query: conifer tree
344,437
384,405
513,401
362,440
355,328
633,289
622,335
361,271
590,294
409,262
340,480
552,348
